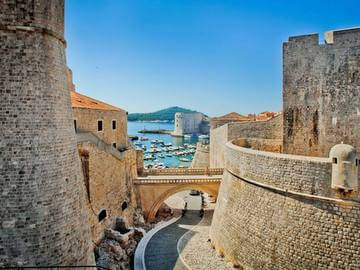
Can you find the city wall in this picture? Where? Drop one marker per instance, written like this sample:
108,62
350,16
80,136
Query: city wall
43,203
321,85
269,129
277,211
202,156
108,179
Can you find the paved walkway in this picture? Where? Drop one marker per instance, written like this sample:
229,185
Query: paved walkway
161,252
197,252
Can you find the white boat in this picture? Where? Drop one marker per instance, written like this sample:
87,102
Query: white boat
187,136
169,155
203,136
184,159
144,139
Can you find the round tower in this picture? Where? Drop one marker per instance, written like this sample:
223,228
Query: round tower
43,212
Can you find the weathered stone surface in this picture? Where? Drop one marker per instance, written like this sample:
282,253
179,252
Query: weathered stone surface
123,239
43,205
271,226
321,85
87,120
121,225
202,156
109,183
116,249
269,129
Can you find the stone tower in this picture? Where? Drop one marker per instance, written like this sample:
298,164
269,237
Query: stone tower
43,213
321,86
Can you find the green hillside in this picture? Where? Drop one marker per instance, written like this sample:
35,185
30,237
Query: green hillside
163,115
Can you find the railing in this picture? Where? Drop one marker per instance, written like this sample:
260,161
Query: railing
182,180
176,171
58,267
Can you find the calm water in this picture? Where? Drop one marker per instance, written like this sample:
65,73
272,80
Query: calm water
134,127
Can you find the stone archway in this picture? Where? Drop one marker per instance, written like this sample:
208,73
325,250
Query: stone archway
153,195
156,205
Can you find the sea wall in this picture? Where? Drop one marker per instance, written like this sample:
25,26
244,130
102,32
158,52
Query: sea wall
109,178
269,129
277,211
202,156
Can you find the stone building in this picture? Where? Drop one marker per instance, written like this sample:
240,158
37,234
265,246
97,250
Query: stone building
289,197
107,122
109,163
190,123
43,197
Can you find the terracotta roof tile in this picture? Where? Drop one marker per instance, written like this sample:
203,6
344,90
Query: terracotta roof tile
81,101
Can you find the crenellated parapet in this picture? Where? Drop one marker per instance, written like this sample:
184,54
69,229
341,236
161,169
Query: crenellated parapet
321,86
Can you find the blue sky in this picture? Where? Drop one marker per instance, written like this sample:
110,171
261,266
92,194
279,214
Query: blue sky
214,56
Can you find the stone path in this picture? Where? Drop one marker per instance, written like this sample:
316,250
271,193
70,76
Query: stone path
195,249
161,252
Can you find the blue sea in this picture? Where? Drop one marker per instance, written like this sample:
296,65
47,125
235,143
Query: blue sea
171,162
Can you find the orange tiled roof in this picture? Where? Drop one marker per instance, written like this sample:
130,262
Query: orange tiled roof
81,101
232,116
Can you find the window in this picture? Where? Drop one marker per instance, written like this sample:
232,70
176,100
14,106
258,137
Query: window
334,160
100,125
102,215
75,124
113,124
124,205
114,144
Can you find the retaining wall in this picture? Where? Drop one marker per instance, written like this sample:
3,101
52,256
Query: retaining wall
277,211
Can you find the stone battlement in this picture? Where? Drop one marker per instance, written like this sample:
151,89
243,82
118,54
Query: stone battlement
331,37
320,92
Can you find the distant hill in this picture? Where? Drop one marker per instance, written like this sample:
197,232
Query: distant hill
162,115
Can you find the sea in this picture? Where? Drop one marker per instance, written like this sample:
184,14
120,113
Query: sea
171,162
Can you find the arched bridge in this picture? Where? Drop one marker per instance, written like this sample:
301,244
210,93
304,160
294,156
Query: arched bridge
155,186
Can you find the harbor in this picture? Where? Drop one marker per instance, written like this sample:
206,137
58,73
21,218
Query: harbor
161,150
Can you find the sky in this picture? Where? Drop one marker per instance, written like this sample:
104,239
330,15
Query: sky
213,56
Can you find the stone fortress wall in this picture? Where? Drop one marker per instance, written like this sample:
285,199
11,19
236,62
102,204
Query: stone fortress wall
280,211
268,129
321,98
43,197
202,156
190,123
108,176
277,211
